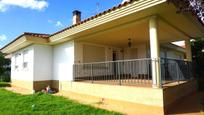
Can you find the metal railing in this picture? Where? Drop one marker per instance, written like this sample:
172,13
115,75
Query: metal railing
132,72
174,70
115,72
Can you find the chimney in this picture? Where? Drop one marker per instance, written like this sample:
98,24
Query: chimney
76,17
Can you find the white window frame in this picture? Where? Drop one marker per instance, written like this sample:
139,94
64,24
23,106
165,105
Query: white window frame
25,62
17,65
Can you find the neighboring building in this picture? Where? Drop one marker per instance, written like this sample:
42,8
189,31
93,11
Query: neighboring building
105,55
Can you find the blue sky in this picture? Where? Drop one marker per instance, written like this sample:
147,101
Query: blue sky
18,16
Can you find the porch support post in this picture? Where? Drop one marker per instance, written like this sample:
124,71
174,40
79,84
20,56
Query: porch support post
188,50
155,52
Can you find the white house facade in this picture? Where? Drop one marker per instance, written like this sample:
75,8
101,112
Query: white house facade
124,53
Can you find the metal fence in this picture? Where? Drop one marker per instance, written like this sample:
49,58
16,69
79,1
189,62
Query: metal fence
117,72
132,72
174,70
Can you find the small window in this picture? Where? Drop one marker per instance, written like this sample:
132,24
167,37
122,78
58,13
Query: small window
25,59
25,65
17,61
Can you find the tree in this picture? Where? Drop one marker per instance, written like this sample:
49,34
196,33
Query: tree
198,60
4,68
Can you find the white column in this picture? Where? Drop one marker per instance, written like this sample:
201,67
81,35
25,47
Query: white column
155,52
188,50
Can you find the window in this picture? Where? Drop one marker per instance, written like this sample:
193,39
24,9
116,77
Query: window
17,61
25,59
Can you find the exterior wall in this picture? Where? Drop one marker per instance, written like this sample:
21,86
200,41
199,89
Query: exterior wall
23,84
39,85
42,67
23,77
169,53
42,62
139,50
89,52
142,97
39,66
63,60
78,54
138,95
174,93
175,55
93,53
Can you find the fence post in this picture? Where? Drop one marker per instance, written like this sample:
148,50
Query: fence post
74,72
92,73
188,67
119,73
177,69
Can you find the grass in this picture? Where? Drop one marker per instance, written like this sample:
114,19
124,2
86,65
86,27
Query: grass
4,84
44,104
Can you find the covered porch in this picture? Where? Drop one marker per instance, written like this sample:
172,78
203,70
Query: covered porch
138,53
136,49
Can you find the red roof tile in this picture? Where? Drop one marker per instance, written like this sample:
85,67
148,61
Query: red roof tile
95,16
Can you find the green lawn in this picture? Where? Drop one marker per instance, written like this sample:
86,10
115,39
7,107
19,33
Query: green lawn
4,84
44,104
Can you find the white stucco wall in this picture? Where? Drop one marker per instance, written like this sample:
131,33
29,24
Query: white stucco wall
63,60
173,54
78,52
22,73
42,62
140,50
90,52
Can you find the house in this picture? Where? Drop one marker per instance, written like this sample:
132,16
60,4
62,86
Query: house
124,54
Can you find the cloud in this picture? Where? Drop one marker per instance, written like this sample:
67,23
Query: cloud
56,23
59,24
125,1
31,4
3,8
3,37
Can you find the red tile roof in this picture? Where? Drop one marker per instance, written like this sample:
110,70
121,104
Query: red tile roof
37,35
97,15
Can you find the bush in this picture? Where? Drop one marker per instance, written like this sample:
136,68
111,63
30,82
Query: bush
5,68
198,57
5,77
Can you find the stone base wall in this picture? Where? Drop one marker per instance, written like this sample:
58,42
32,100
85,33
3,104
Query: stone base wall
22,84
161,99
173,94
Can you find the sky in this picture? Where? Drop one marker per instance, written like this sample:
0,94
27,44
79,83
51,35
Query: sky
44,16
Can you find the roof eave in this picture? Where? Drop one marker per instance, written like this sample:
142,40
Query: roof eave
102,18
23,41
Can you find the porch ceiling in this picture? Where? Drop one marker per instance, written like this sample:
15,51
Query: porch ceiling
139,33
171,27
